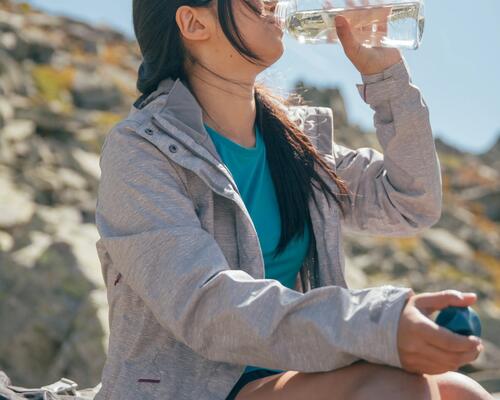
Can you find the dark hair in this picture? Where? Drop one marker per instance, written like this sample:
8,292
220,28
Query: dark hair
290,153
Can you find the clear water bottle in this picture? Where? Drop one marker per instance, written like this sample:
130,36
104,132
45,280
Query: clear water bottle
375,23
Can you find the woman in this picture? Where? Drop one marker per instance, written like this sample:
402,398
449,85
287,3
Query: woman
210,178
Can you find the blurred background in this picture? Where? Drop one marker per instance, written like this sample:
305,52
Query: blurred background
68,73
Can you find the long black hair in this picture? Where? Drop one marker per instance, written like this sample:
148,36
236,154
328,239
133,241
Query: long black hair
290,153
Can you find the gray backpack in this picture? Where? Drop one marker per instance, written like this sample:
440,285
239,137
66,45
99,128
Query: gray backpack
63,389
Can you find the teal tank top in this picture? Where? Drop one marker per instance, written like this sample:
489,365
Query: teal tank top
250,170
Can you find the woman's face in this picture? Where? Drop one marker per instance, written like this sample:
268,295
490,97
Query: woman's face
257,28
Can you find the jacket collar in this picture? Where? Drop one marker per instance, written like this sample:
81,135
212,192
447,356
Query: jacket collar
176,111
179,107
173,104
174,107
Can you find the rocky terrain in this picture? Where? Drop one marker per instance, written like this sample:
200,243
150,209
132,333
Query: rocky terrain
63,84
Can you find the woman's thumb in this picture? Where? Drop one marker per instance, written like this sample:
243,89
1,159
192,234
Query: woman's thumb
430,302
345,34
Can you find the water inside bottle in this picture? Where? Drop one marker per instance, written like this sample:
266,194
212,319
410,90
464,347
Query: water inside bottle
389,25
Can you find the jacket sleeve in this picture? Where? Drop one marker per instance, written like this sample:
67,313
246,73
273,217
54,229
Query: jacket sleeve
399,192
150,231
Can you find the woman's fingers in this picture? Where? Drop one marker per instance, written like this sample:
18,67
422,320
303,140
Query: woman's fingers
452,360
349,43
427,303
426,347
445,339
429,367
430,359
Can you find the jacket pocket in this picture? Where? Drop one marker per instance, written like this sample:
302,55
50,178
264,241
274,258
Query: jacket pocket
117,279
137,380
149,380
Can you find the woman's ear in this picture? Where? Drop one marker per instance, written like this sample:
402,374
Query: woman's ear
195,23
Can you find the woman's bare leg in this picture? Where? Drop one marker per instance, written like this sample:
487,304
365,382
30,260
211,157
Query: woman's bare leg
454,385
359,381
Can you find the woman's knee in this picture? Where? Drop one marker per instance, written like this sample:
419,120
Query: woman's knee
455,385
394,383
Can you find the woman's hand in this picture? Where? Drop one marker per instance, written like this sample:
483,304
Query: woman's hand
365,25
424,346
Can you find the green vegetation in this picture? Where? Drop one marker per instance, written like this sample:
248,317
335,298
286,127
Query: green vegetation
53,84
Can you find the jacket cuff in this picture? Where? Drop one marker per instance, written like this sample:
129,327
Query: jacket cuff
385,85
395,302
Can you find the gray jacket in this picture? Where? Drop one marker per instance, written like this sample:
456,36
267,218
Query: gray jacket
188,303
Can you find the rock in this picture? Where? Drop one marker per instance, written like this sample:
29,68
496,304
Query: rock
11,77
87,162
486,368
44,21
42,305
6,111
18,130
71,179
46,183
53,216
92,93
28,255
4,379
6,242
84,35
82,240
444,244
96,98
489,359
84,351
489,380
91,139
64,224
8,17
25,41
16,206
444,147
13,42
49,123
329,97
492,156
370,264
453,219
39,49
400,265
355,277
488,199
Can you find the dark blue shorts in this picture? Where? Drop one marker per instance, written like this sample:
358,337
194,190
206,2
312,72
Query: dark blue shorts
248,377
